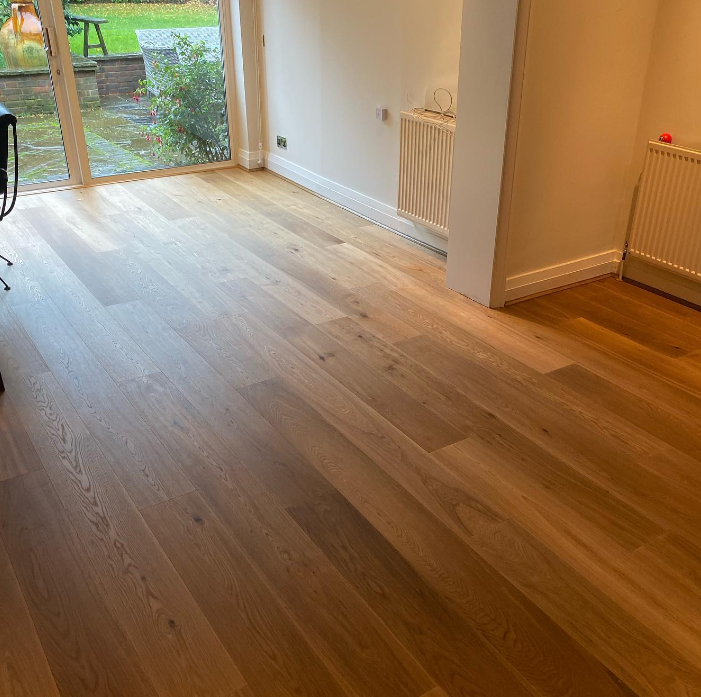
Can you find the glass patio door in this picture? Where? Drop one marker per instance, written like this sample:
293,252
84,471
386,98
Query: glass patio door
110,89
31,86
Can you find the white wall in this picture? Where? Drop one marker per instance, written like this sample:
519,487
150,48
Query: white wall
490,61
585,71
671,103
328,64
672,97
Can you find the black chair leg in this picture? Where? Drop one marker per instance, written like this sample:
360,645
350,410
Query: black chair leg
2,280
2,384
9,263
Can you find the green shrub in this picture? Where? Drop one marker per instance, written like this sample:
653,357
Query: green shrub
189,107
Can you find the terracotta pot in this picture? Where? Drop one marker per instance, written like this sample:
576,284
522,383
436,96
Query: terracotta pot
21,39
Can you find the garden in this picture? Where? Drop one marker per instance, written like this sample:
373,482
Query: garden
151,92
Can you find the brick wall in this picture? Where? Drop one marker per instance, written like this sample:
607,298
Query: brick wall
29,91
119,74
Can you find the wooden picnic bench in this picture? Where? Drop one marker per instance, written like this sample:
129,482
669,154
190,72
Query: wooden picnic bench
96,22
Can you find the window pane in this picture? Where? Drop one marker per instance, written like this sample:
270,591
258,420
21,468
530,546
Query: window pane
150,79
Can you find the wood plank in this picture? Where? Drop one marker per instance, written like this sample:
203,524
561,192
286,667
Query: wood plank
278,214
633,353
630,582
167,206
119,356
634,654
604,448
388,447
645,415
87,265
180,652
255,628
382,323
87,648
491,326
356,646
439,396
657,320
437,636
89,228
244,431
407,414
24,669
558,488
18,454
529,642
268,309
138,458
191,440
533,318
152,288
18,354
578,302
221,345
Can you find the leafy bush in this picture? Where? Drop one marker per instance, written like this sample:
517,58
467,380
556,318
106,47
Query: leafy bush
188,107
72,26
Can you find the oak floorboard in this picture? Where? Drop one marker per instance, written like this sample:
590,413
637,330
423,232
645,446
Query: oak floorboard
86,264
278,214
86,647
275,456
437,636
601,446
395,453
489,325
647,416
578,303
17,454
179,650
358,649
402,410
138,458
253,440
24,669
191,442
638,657
252,623
535,318
119,356
544,657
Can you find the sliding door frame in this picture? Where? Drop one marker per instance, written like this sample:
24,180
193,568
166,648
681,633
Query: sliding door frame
70,115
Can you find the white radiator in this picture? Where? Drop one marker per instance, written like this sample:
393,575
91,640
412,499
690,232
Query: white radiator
426,169
667,223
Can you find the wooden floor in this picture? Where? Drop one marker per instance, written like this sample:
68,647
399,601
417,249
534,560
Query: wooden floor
252,447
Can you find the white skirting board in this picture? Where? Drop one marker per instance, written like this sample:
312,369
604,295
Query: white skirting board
553,277
250,160
364,206
667,281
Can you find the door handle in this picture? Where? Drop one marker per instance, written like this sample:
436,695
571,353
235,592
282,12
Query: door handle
49,41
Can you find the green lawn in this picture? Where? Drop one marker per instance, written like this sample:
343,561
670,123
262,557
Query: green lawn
124,18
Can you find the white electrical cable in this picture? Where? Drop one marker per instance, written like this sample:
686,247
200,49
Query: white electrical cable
443,118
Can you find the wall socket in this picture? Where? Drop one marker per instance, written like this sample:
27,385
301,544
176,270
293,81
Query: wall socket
282,142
